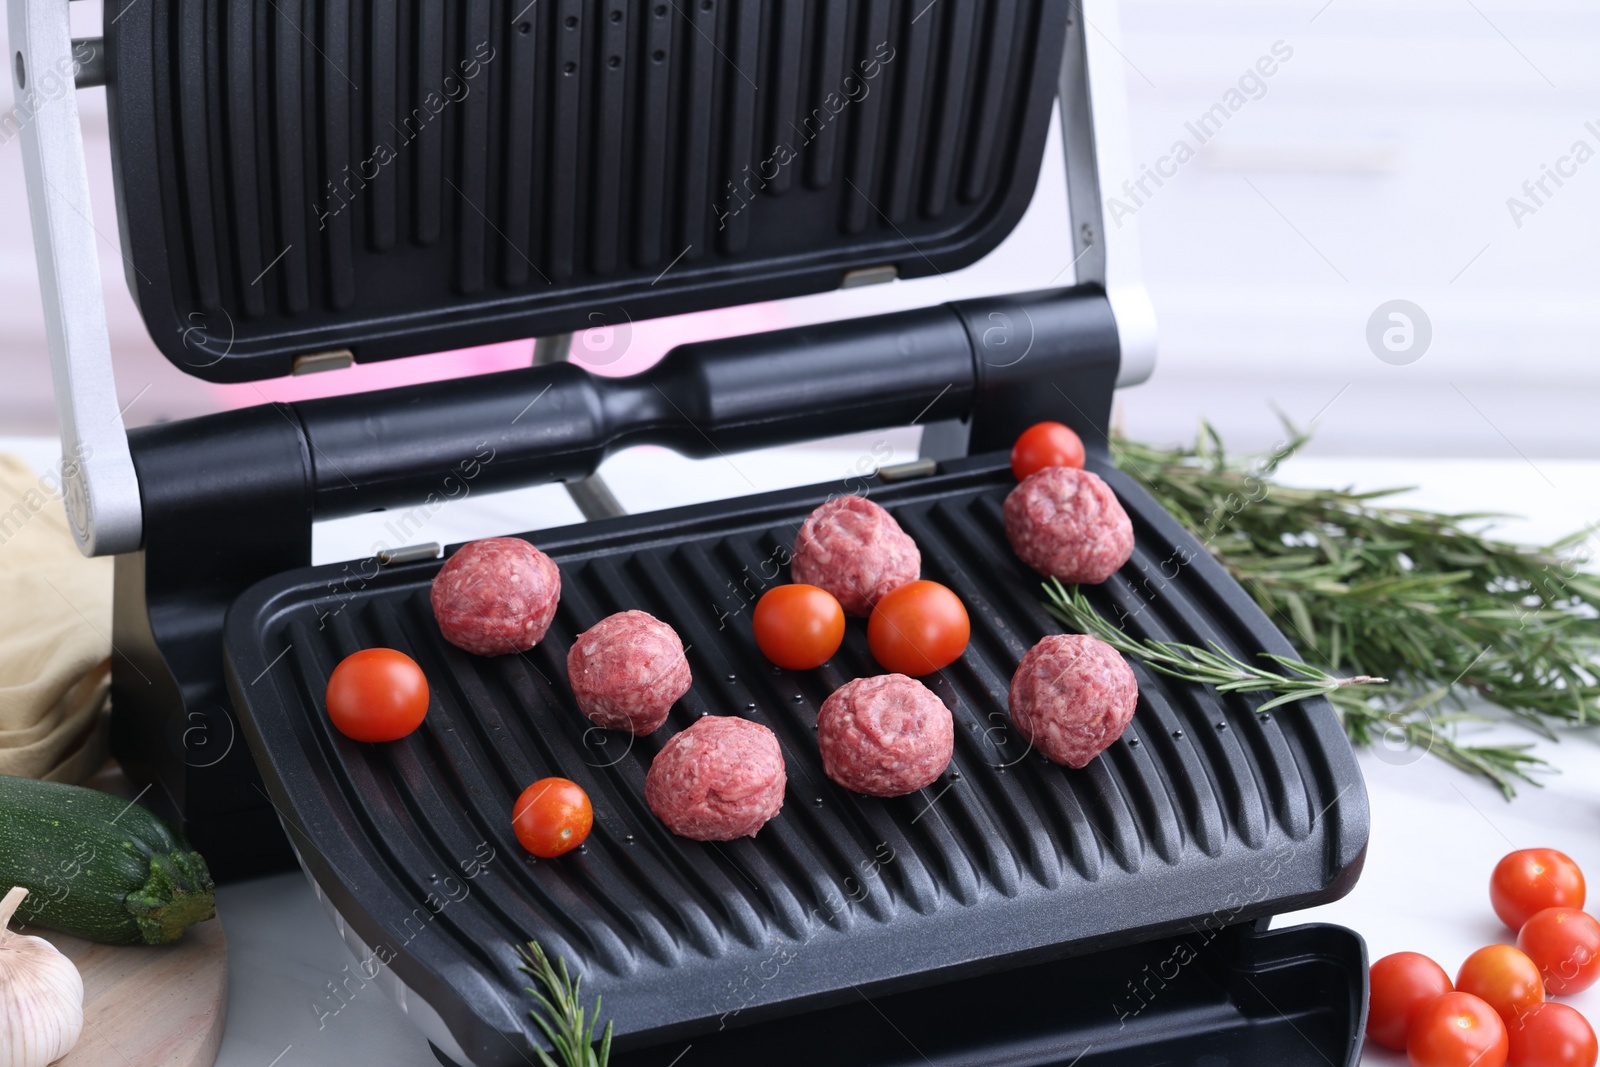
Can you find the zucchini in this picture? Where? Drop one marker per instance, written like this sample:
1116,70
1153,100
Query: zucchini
98,867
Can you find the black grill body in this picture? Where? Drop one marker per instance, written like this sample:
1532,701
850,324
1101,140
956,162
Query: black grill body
305,183
1205,815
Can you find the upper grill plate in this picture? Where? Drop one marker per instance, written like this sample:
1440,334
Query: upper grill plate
404,176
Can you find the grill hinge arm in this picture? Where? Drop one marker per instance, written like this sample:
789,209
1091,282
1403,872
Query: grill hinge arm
1094,134
102,490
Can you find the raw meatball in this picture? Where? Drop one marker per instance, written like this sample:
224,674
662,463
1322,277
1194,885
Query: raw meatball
720,779
627,670
1072,696
496,596
1068,523
885,736
855,550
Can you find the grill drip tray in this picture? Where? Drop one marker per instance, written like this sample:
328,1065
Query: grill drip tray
1202,819
1209,999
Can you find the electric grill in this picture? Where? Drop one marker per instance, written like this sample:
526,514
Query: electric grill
305,185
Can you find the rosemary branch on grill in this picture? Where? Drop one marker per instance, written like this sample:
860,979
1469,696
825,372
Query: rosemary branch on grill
1428,600
1212,666
1369,707
560,1013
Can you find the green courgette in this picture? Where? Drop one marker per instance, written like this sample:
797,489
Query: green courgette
97,866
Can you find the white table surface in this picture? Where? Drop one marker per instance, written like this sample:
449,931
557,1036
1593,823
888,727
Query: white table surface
1436,833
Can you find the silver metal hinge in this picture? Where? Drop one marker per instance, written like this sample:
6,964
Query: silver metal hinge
102,489
1094,135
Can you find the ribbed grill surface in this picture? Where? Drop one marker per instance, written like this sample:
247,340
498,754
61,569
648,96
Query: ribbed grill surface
299,175
1204,813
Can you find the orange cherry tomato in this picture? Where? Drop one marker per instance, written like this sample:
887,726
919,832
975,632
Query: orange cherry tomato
1565,943
552,816
1401,983
1531,880
377,694
1503,978
918,628
1045,444
798,626
1457,1030
1552,1035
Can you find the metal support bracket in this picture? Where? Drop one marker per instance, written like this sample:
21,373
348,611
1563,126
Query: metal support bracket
102,489
593,497
1094,129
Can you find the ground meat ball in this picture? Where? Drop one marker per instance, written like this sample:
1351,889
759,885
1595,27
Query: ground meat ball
885,736
855,550
496,596
1069,524
720,779
627,670
1072,696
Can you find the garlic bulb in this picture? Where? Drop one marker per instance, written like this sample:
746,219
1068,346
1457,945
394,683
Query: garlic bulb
41,996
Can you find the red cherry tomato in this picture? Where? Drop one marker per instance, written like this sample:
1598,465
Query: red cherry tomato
1045,444
798,626
1552,1035
377,694
1457,1030
918,628
1531,880
1503,978
1565,943
1401,983
552,816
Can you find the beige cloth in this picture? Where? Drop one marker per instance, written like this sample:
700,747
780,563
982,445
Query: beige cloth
55,635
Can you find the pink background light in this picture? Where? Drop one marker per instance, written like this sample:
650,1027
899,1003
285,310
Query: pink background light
608,352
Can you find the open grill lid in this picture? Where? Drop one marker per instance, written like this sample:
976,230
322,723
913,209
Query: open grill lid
394,177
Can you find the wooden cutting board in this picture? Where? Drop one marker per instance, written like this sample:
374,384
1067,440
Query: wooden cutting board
148,1006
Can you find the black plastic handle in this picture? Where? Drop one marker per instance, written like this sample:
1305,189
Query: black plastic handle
262,474
558,422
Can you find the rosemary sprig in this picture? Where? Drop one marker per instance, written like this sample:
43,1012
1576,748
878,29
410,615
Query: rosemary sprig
1425,599
1370,708
1212,666
560,1013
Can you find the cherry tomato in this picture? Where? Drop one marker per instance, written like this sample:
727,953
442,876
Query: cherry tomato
798,626
1552,1035
918,629
552,816
1401,983
1457,1030
377,694
1045,444
1504,978
1531,880
1565,943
